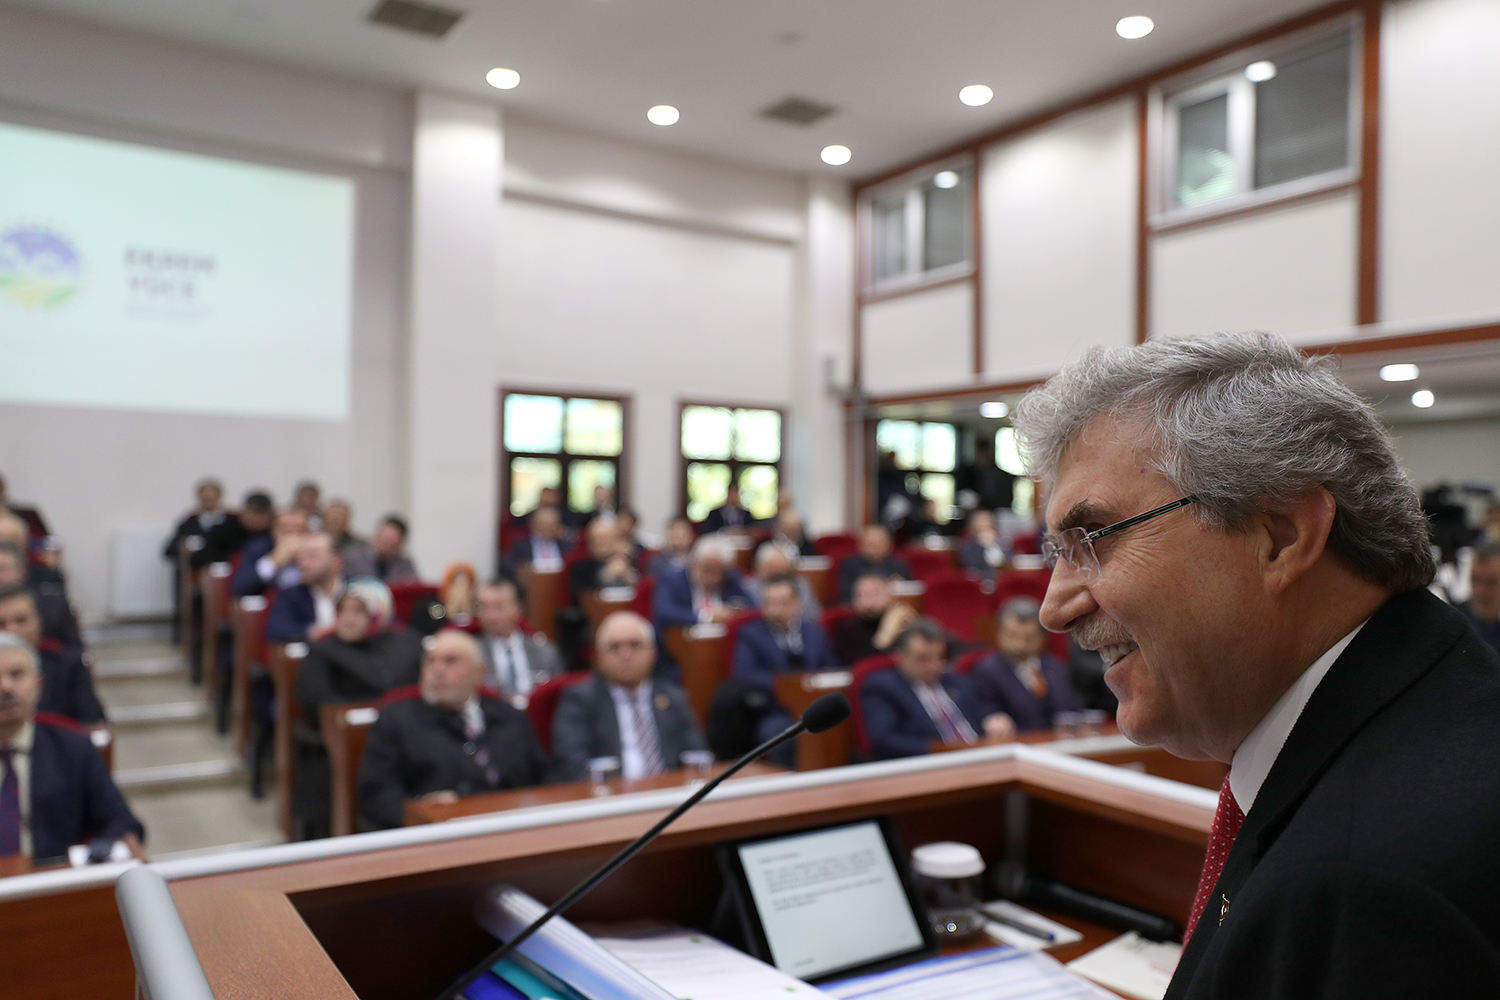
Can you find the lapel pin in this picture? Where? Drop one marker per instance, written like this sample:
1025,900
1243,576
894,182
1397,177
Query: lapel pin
662,702
1223,910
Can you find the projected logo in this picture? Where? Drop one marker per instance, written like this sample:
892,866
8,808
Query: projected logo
38,269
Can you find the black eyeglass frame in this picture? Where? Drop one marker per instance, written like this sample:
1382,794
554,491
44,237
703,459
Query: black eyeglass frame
1053,542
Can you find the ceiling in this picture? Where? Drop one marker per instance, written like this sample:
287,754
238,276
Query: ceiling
892,67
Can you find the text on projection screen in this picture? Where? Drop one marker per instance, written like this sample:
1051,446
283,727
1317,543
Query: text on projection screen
141,278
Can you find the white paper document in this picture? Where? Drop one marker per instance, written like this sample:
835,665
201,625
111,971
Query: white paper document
693,966
1005,934
1131,965
992,974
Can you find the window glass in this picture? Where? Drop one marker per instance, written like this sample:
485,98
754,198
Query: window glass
939,447
533,423
945,223
903,438
707,432
759,485
594,427
707,488
888,220
528,477
1007,454
1205,171
938,487
583,475
757,435
1301,116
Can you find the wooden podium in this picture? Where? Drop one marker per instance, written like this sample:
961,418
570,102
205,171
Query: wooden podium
387,916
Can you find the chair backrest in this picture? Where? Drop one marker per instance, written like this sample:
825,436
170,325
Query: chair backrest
966,662
831,617
644,588
928,564
406,593
836,546
346,729
732,634
956,602
862,670
542,704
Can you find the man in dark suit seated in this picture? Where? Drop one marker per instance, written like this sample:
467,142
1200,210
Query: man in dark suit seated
788,530
36,525
198,522
782,641
984,551
731,516
305,612
878,618
391,563
307,497
1483,605
55,789
874,556
676,550
67,684
608,563
922,704
269,559
224,540
1230,526
452,740
59,624
514,662
548,496
706,591
1023,680
622,711
545,544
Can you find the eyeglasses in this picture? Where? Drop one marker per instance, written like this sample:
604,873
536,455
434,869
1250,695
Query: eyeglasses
1076,546
630,645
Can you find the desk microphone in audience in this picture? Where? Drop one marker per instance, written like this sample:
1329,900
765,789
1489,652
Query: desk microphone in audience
823,714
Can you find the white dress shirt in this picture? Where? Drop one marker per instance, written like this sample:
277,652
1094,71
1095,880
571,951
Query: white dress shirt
1253,760
546,555
627,704
512,668
325,608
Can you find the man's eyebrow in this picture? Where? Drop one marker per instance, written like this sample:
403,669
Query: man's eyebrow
1080,513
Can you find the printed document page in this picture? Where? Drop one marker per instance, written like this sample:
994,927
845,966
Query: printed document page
688,964
975,975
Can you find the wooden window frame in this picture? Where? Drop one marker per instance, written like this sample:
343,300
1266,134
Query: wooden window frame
736,465
621,462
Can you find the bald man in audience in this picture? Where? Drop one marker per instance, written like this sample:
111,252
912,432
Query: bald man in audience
55,789
270,560
306,612
452,740
622,711
67,684
608,563
59,624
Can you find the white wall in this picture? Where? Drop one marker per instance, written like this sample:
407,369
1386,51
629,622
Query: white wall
1440,148
95,471
1059,241
1453,451
924,340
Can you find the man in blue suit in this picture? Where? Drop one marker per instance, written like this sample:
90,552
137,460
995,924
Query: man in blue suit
919,704
55,789
706,590
306,611
782,641
270,559
1023,680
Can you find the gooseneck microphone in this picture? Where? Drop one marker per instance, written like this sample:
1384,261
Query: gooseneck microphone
823,714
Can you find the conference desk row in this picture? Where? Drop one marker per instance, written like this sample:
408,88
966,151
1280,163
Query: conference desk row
388,915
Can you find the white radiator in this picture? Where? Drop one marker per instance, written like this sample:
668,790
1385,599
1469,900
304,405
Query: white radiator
140,579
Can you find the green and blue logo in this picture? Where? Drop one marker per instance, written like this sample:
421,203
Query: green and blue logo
38,269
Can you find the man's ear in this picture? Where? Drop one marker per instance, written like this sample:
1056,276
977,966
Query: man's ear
1295,538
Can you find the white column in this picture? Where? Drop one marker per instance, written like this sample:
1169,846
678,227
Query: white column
457,173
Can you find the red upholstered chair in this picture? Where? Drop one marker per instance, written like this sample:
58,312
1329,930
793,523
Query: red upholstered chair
836,546
956,601
831,617
644,588
406,593
863,669
968,661
928,564
1026,543
732,634
542,704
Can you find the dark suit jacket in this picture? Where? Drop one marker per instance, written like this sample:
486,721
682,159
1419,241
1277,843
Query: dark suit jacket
415,748
336,671
896,722
246,580
67,685
856,566
758,658
222,542
58,621
292,613
672,600
854,639
727,517
523,552
1367,865
998,689
73,798
585,726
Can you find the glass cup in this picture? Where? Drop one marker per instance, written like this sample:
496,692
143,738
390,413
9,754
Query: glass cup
603,773
1065,725
1091,720
697,766
948,875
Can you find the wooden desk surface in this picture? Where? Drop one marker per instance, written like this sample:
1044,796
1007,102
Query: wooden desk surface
546,795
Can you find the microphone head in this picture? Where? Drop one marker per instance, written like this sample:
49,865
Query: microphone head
827,712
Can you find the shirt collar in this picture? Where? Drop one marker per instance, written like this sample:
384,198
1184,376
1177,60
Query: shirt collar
23,739
1253,760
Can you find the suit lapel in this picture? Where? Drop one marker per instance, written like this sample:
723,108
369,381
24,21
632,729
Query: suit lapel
609,723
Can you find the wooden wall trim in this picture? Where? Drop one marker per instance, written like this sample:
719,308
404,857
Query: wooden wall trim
1444,337
959,392
1143,216
976,256
1367,307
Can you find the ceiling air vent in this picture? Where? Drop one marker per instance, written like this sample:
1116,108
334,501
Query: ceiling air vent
423,18
798,111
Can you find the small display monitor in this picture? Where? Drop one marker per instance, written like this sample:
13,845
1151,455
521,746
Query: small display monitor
828,902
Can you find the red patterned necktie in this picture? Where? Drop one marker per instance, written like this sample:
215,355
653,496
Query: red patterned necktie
1227,820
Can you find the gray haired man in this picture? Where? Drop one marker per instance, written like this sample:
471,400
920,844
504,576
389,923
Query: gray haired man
1231,530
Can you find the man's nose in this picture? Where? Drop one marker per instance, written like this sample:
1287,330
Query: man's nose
1068,599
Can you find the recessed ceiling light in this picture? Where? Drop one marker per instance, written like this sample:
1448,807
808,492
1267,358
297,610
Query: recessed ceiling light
1423,398
945,179
503,79
836,156
976,94
663,114
1399,373
994,410
1136,26
1260,72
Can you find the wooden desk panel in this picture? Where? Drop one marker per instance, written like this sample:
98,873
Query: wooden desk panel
248,617
543,595
216,599
797,691
284,661
596,608
701,659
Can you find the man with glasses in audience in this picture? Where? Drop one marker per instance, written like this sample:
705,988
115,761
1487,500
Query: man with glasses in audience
1230,528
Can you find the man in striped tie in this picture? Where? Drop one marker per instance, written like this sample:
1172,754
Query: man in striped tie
1230,528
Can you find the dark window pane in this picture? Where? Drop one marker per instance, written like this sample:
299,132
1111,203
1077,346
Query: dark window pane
1204,170
1302,116
946,239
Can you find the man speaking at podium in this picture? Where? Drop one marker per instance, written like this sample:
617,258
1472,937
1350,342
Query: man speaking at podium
1230,529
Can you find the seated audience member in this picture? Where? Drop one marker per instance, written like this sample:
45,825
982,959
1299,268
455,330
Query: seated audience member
40,577
391,564
305,498
629,524
921,704
874,556
1023,680
226,539
922,523
459,591
305,612
604,507
200,520
55,789
622,711
778,559
707,590
549,496
270,559
783,641
359,660
453,740
514,662
982,552
675,550
543,547
788,530
731,516
59,624
337,517
607,564
984,484
36,525
878,618
67,683
1483,605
